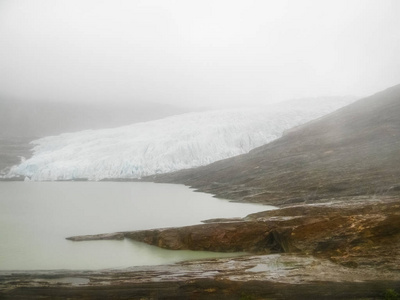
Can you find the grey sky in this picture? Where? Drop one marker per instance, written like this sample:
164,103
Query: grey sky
202,52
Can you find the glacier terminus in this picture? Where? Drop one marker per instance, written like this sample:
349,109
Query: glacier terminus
166,145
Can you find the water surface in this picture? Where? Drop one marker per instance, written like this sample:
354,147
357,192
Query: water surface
36,217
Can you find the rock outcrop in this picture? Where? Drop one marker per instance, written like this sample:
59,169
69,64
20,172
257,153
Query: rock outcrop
356,233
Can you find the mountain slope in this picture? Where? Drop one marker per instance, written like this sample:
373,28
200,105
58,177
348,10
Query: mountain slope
165,145
351,152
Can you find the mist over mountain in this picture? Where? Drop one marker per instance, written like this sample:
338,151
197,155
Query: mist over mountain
22,118
352,152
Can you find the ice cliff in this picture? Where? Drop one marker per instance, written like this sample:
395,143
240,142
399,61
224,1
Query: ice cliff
165,145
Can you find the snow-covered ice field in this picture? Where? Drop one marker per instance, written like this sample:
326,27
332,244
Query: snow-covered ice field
166,145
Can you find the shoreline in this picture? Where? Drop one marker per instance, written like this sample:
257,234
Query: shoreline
328,251
290,277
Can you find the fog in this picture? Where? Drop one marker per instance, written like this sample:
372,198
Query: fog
196,53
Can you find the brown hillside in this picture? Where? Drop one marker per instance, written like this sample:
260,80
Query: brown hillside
354,151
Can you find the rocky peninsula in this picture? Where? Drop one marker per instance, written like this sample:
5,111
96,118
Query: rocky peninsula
335,250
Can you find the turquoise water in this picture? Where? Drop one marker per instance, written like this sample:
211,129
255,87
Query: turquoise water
36,217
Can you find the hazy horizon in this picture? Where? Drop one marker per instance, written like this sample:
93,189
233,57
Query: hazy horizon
197,53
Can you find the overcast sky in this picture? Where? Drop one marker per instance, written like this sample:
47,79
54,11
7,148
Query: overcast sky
197,52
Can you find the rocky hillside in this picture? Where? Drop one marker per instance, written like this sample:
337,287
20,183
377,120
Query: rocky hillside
352,152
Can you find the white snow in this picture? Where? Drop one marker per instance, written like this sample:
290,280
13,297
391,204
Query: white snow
166,145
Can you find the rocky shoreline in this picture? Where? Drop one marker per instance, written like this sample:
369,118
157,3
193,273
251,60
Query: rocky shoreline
363,232
277,276
340,250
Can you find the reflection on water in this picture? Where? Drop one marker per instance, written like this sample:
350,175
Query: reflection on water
35,218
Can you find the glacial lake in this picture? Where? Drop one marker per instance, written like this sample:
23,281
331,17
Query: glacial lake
36,217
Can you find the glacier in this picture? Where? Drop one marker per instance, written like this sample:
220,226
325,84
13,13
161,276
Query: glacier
166,145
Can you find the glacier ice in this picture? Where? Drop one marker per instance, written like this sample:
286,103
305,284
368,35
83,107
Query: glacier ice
166,145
